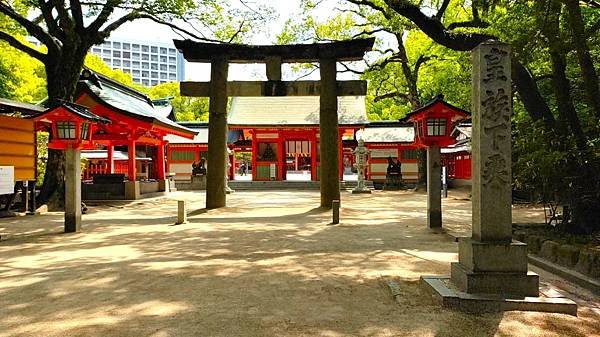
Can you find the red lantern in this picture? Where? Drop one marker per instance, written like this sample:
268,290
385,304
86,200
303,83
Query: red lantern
433,122
70,125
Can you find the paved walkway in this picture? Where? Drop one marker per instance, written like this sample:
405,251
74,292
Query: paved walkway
267,265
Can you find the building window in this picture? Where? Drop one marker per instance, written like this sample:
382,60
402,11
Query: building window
106,60
163,59
172,60
116,63
126,63
154,82
183,155
65,130
116,53
154,66
145,74
154,49
145,49
145,65
126,55
163,67
85,130
135,64
172,68
171,51
96,50
436,127
117,45
410,154
163,76
107,44
136,73
136,47
172,77
154,74
163,50
136,56
106,52
154,58
145,83
145,57
126,46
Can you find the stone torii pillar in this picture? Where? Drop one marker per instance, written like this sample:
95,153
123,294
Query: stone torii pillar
217,133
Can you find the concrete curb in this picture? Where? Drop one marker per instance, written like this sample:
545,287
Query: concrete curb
571,275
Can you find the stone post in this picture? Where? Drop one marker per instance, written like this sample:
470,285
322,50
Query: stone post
217,134
434,187
490,262
328,130
72,190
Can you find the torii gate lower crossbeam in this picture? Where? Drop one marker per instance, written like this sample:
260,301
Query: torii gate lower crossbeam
328,88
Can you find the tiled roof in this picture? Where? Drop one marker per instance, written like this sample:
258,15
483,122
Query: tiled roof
10,106
388,134
126,100
293,110
200,138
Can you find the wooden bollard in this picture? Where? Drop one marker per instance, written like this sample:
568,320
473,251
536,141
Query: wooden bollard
335,207
181,212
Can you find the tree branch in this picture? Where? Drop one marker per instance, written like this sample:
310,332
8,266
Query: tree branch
11,40
77,14
468,24
394,94
440,13
350,70
33,29
102,18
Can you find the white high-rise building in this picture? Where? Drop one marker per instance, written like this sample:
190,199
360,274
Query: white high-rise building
149,63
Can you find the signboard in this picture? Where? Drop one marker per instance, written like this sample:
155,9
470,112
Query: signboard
7,179
272,171
384,153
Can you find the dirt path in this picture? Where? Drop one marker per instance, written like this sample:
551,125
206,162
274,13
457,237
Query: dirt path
268,265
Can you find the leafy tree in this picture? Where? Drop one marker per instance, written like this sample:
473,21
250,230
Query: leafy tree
186,108
68,31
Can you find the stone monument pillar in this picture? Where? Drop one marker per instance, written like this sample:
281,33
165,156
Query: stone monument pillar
490,261
72,190
434,187
360,154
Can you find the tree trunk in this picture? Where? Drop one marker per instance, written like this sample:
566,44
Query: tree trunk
62,73
588,72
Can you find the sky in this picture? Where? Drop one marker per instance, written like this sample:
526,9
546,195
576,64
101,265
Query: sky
146,30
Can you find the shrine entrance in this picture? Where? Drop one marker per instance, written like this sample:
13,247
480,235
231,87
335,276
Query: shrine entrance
298,161
328,88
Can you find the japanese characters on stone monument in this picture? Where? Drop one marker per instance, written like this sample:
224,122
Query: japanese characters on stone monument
489,261
491,143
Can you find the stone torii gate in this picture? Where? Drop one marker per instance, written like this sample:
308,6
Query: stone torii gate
219,89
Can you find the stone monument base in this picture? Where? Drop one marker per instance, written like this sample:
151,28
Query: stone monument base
446,294
361,191
495,267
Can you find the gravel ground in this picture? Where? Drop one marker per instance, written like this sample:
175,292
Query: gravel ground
267,265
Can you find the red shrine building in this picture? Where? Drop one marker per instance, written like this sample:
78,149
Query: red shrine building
134,139
122,135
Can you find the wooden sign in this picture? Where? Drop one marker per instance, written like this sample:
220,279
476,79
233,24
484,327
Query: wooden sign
17,146
7,179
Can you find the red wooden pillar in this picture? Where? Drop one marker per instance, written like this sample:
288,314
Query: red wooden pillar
160,161
313,157
281,157
167,156
340,154
109,160
254,153
131,168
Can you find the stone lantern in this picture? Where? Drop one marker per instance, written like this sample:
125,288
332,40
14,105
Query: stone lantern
361,152
433,124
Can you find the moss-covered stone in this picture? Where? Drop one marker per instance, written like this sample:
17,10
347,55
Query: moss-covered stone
549,250
584,263
567,255
534,243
